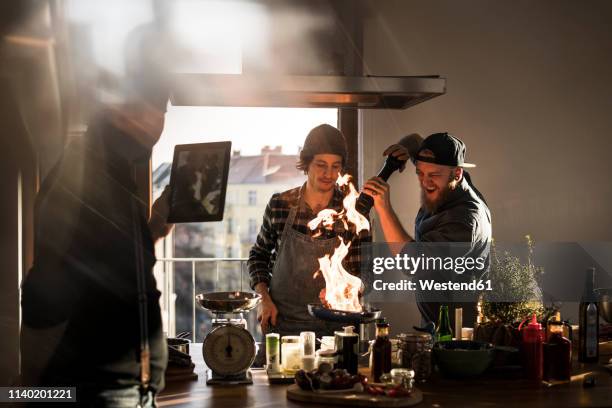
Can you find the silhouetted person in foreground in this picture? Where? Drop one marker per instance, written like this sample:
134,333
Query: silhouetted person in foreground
91,314
92,242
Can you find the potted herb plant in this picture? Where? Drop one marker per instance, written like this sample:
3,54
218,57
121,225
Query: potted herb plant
515,296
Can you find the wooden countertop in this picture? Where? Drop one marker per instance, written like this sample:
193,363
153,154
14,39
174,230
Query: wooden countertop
490,391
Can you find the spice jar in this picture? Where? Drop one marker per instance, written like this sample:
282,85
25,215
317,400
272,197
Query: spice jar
415,351
403,377
325,356
308,341
395,355
291,354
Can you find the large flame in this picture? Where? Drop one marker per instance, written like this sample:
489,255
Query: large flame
353,216
341,288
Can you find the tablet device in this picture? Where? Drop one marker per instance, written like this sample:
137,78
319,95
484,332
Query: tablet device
198,182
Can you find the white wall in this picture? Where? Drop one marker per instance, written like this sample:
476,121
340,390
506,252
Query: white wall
529,91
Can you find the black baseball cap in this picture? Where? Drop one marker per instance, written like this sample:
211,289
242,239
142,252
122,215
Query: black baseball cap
444,149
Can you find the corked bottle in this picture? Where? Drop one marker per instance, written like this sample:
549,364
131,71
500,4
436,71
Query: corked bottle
381,351
557,353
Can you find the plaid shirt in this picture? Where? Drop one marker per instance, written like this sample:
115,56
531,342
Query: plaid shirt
264,251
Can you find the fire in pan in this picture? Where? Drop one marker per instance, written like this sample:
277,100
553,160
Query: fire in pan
332,315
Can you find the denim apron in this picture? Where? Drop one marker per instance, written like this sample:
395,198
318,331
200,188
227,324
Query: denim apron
293,285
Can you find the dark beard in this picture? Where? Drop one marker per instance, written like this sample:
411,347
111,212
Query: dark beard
432,206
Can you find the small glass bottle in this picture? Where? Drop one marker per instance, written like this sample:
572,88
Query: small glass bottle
273,352
588,346
557,353
308,345
381,351
443,330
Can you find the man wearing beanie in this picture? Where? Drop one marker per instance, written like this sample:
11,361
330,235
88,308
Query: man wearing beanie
452,210
285,256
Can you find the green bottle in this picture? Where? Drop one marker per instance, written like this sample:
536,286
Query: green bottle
443,330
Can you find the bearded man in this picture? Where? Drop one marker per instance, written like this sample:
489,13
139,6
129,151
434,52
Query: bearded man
452,209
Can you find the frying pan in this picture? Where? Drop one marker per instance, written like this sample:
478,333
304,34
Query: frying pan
332,315
228,302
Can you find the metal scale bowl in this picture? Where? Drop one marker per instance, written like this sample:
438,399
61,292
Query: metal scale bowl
229,349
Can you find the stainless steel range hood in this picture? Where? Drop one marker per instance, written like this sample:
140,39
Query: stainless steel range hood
309,91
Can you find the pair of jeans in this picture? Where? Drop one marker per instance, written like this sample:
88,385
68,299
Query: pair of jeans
126,397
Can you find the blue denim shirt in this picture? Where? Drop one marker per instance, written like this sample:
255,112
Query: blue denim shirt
464,217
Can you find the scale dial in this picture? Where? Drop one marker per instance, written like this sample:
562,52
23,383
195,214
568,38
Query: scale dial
229,350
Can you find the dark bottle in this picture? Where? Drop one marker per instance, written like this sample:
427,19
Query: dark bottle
588,350
381,351
557,353
365,201
443,330
348,353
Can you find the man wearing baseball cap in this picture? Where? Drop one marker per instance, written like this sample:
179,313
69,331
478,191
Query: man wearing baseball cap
285,255
452,209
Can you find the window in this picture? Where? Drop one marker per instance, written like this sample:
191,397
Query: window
252,198
252,228
230,226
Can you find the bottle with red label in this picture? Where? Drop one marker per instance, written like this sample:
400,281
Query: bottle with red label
532,350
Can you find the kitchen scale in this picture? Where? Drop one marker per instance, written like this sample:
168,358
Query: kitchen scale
228,349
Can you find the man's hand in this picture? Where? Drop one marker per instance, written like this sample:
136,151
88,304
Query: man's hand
398,151
159,215
378,189
267,313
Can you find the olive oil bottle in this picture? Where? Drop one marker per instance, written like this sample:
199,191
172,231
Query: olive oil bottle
443,330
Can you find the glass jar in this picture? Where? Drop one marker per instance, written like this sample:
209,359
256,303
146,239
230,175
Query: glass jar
415,353
325,356
308,341
291,354
395,354
403,377
327,343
